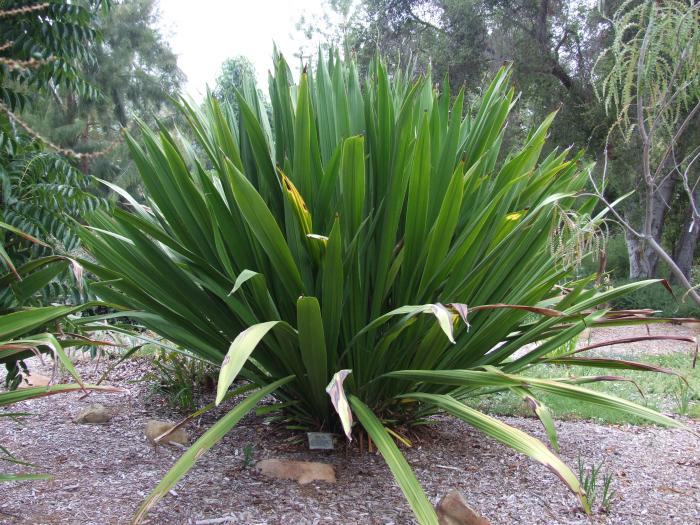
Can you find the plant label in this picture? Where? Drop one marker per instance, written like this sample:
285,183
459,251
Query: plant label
320,440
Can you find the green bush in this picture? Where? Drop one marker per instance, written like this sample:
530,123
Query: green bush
372,243
180,379
658,298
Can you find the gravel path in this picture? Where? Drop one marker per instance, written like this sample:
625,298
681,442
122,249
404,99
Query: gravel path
102,472
642,348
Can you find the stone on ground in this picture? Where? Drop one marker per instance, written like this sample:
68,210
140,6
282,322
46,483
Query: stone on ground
95,413
34,380
302,472
155,428
453,509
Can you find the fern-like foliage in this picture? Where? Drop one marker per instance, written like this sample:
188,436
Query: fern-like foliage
43,195
652,63
45,44
44,47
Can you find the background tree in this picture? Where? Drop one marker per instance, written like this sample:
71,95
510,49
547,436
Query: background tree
237,75
74,74
134,71
43,49
231,77
649,80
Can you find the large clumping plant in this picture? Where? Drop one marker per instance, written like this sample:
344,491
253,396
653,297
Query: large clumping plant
370,254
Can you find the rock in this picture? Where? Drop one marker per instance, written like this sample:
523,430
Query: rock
95,413
454,510
302,472
33,380
155,428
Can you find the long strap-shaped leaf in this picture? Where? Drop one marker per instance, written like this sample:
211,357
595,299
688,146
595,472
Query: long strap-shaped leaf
23,321
22,394
24,477
514,438
267,232
471,378
204,443
239,352
541,411
397,463
605,400
312,345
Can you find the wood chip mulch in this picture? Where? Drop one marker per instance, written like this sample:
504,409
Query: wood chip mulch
103,472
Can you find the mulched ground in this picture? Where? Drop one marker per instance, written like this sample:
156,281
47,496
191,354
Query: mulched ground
102,472
642,348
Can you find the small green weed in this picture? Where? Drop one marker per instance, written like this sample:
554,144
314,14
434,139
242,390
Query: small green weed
179,378
248,456
590,478
694,411
682,396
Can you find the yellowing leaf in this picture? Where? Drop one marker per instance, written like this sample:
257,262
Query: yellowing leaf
340,402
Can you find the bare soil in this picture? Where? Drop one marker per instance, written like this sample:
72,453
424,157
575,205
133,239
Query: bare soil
102,472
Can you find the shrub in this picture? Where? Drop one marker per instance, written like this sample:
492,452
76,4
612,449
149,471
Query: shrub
377,241
658,298
179,378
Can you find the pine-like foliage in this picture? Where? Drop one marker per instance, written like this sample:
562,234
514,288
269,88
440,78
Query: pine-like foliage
664,82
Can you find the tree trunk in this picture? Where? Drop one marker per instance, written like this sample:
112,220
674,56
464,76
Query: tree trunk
644,261
685,248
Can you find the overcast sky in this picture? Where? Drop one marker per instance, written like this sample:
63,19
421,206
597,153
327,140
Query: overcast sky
203,33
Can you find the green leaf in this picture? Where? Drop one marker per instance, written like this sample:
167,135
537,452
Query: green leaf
23,394
35,281
468,378
542,413
241,279
17,323
333,290
312,345
352,184
510,436
239,352
601,399
424,511
441,313
417,205
267,232
24,477
199,447
22,234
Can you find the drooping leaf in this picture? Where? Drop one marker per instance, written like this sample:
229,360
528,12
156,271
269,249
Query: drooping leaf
239,352
337,394
199,447
510,436
398,465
